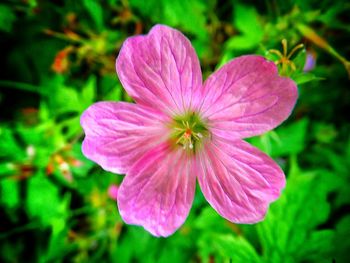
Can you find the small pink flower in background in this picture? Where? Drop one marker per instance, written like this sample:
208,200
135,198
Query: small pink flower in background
113,191
181,129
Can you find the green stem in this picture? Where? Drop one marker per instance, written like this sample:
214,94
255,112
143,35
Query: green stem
23,86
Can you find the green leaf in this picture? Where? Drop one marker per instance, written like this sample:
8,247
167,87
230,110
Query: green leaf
244,42
66,100
226,248
236,248
319,241
339,163
288,232
305,77
285,140
300,60
209,219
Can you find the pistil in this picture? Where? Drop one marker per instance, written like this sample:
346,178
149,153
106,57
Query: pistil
188,131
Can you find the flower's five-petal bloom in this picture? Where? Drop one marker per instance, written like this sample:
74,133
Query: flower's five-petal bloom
180,129
158,191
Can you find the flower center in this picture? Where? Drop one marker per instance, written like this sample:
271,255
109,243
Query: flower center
188,131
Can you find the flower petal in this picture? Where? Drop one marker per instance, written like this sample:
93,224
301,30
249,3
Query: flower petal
158,191
160,69
246,97
118,134
238,180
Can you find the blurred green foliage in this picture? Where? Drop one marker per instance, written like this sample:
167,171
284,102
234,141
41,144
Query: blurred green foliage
59,59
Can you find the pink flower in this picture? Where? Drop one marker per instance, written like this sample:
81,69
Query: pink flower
113,191
181,129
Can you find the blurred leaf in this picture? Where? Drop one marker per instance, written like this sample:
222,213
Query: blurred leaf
83,165
148,7
332,16
96,13
24,87
115,94
194,20
9,192
88,92
319,244
337,173
43,199
9,147
138,244
342,240
245,19
324,133
7,168
172,13
58,245
7,18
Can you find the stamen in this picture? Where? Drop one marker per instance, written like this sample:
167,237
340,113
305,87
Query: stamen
188,131
284,57
300,46
284,47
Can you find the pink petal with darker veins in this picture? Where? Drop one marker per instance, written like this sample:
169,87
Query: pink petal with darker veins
117,134
158,191
160,70
238,180
246,97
